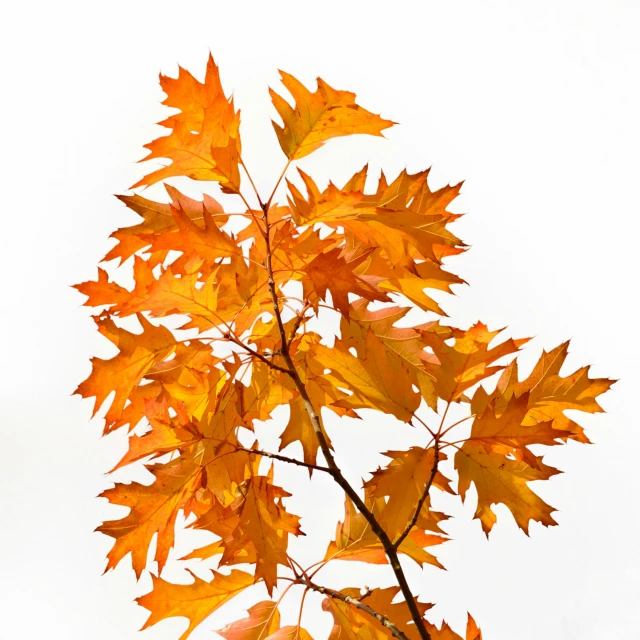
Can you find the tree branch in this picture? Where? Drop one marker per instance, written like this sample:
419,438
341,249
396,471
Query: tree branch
354,602
255,354
277,456
334,470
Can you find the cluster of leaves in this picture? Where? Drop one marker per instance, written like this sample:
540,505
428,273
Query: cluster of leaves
250,350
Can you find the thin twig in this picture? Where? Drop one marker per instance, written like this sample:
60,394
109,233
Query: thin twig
277,456
355,602
279,180
256,354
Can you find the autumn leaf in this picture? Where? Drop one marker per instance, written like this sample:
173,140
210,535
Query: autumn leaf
154,509
195,601
381,381
291,632
300,429
469,360
548,393
158,218
137,354
204,143
356,541
263,620
319,116
332,272
403,481
445,632
264,524
166,434
500,479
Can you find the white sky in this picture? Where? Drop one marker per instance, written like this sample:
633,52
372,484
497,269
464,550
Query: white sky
535,104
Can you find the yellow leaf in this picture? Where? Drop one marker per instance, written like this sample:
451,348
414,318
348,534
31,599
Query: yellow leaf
379,381
499,479
403,481
319,116
263,620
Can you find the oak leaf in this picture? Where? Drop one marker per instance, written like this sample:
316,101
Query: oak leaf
263,620
264,524
446,633
204,143
500,479
154,509
381,381
319,116
469,360
122,373
195,601
403,482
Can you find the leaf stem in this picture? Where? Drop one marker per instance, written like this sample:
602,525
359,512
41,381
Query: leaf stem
275,188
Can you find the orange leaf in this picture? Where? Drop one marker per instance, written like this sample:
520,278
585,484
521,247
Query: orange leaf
138,353
403,481
263,523
195,601
319,116
548,393
381,381
154,509
205,142
263,620
351,623
331,271
499,479
292,632
460,366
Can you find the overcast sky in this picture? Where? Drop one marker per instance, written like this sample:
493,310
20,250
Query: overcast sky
534,104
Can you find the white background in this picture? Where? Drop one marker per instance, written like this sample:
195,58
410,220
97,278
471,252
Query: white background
535,104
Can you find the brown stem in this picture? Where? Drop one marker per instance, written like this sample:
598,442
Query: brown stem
334,470
255,354
276,456
354,602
